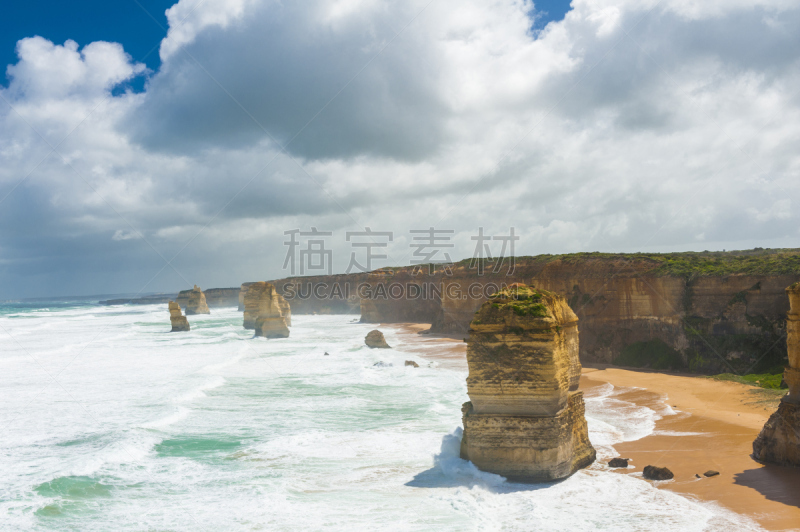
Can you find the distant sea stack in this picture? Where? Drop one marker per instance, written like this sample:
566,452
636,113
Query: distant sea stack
262,311
779,440
194,301
525,420
179,321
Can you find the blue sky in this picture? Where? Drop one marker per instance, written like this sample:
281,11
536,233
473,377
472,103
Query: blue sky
630,125
129,22
139,25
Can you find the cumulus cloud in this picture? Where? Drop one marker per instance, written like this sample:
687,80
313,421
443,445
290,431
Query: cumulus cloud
629,125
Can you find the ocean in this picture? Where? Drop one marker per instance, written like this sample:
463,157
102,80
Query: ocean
111,422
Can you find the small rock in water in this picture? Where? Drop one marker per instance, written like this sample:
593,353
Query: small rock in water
375,339
711,473
657,473
412,364
697,476
327,354
382,364
618,462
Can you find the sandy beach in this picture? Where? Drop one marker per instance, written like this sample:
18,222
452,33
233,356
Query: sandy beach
713,429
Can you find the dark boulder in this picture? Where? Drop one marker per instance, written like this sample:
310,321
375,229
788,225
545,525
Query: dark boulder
657,473
618,462
375,339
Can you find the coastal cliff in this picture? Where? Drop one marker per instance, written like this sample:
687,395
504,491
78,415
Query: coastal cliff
525,418
701,312
706,312
779,440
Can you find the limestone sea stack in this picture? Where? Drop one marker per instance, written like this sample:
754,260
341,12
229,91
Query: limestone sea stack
525,418
779,440
194,301
178,320
286,310
242,291
262,311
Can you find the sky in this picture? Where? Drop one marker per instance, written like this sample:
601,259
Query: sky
147,146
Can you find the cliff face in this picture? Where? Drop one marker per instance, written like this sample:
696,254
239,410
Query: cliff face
701,312
322,294
214,297
262,311
222,297
400,297
779,440
708,323
525,419
194,301
178,320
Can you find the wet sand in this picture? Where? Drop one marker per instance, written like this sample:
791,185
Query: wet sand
714,429
448,350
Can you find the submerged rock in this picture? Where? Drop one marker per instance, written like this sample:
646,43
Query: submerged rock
375,339
262,311
711,473
382,364
779,440
195,301
412,364
657,473
618,462
525,420
178,320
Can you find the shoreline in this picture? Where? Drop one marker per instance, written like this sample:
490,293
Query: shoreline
713,428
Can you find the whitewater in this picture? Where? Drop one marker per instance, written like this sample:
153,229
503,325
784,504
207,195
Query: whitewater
111,422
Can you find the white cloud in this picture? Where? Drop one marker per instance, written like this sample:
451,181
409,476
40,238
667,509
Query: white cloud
627,126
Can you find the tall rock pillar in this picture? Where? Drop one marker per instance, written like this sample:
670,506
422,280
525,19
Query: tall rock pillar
193,301
525,419
779,440
178,320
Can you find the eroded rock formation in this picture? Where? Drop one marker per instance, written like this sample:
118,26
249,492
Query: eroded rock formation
262,311
286,310
779,440
242,291
375,339
193,301
178,320
525,419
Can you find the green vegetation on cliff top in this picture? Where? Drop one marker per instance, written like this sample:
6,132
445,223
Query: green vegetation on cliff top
756,261
523,300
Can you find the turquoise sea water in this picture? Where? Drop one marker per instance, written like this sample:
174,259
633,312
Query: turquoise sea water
110,422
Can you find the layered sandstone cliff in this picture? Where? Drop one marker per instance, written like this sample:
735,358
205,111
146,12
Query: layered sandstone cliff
779,440
262,311
178,320
193,301
525,419
708,312
221,297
